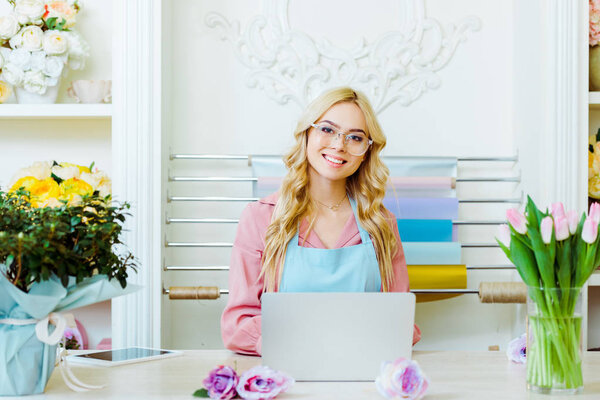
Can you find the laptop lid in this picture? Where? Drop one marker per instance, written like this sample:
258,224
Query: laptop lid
335,336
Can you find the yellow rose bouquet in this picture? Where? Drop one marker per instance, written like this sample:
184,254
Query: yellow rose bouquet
51,184
59,250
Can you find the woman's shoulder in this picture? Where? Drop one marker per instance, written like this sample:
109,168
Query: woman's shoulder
256,217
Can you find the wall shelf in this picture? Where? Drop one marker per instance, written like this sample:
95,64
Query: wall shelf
594,100
55,111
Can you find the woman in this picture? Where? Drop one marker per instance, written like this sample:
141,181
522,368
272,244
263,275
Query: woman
326,229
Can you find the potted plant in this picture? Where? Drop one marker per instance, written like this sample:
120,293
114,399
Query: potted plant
59,250
37,45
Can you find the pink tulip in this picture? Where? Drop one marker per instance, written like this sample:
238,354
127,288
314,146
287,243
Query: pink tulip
595,212
558,210
517,220
504,235
546,229
561,225
573,220
590,230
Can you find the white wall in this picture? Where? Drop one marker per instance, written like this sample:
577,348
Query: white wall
472,113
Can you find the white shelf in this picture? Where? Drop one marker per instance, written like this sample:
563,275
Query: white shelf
59,111
594,279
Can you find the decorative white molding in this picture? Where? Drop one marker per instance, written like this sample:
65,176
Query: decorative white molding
288,64
137,164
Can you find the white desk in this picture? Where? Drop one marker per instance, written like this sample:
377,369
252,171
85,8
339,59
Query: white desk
452,374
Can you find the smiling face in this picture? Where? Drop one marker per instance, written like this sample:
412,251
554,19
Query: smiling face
329,159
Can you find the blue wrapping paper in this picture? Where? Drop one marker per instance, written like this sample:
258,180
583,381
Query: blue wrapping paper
432,253
425,230
26,363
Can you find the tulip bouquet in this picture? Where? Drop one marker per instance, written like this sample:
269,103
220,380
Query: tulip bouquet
37,43
555,253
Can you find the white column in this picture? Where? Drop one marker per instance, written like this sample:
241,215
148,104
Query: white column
137,163
564,136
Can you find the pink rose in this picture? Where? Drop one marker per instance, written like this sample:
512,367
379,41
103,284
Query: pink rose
401,379
263,383
221,382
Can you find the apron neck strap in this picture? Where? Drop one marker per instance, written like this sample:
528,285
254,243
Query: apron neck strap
364,235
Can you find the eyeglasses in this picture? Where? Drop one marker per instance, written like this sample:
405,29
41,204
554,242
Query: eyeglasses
356,143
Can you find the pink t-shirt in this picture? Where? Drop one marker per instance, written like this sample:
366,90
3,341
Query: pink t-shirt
240,322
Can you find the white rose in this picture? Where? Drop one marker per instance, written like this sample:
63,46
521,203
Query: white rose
65,173
38,60
29,11
15,41
39,170
54,67
31,38
21,58
78,51
12,74
34,82
104,190
96,179
9,26
51,81
55,42
5,53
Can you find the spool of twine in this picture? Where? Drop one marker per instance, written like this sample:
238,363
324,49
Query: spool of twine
194,293
502,292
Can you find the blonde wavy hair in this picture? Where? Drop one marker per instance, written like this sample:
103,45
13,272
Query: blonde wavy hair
367,186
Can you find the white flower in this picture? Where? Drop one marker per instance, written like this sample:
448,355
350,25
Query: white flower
15,41
21,58
55,42
12,74
78,51
104,190
38,60
96,179
29,11
34,82
65,173
54,67
30,38
9,26
51,81
5,53
39,170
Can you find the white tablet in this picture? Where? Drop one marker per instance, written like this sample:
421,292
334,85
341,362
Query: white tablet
109,358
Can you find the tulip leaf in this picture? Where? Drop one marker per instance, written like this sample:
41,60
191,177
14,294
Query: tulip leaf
543,257
534,216
524,260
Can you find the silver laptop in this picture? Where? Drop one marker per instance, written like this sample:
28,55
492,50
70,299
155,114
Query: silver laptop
335,336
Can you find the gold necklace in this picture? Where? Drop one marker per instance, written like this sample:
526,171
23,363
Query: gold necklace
334,207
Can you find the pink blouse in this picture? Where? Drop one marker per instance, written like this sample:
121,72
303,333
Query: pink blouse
240,322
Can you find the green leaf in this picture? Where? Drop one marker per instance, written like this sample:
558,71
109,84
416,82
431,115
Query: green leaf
591,148
524,260
544,258
598,135
534,216
201,393
56,178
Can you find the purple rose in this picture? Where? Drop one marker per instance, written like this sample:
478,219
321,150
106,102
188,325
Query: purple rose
263,383
221,382
401,379
517,349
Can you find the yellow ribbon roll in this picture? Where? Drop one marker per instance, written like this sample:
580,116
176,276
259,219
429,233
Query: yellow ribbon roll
437,277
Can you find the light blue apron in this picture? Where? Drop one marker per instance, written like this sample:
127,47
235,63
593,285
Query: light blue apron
347,269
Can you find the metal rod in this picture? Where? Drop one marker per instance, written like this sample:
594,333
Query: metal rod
416,291
245,158
250,199
251,179
202,220
222,244
226,267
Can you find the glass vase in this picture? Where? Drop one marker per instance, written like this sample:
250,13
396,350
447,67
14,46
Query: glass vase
554,340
